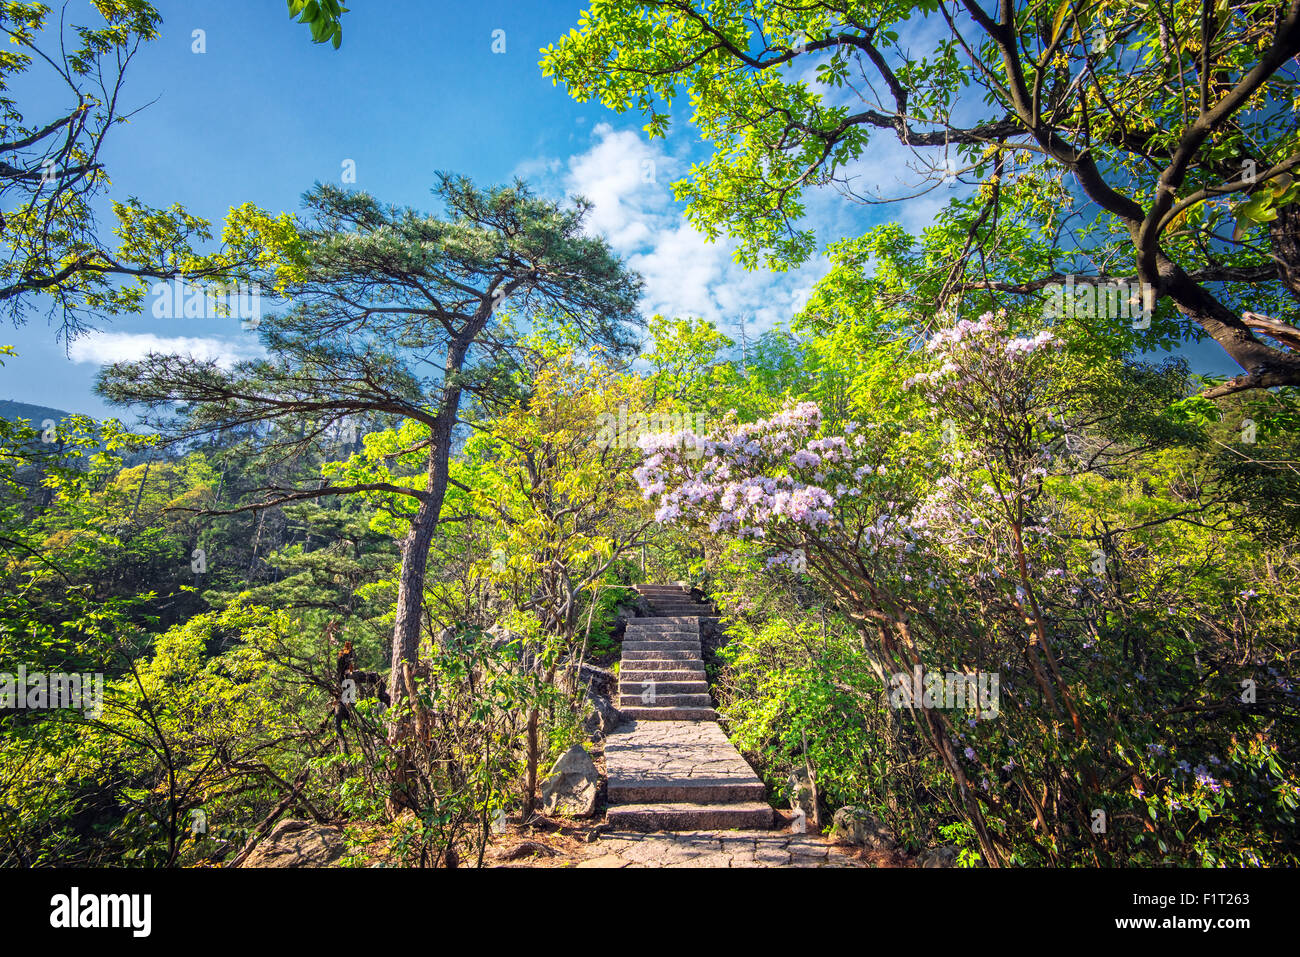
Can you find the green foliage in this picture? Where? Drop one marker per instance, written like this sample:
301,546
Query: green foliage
323,17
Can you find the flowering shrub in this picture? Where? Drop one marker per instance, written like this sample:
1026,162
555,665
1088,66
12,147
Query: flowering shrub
953,542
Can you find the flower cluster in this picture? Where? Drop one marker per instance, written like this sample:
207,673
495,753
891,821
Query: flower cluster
749,477
975,350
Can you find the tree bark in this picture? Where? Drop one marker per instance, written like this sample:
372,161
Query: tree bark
415,548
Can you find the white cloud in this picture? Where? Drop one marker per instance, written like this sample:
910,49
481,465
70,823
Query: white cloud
102,348
629,179
686,275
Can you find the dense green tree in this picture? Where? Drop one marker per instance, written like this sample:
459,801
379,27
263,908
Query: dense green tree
1172,124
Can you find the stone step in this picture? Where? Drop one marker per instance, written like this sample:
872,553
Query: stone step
656,626
639,675
643,712
689,817
654,662
658,636
685,791
687,686
663,645
681,611
663,700
638,684
654,654
664,671
650,671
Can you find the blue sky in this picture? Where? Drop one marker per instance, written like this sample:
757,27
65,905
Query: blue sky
415,88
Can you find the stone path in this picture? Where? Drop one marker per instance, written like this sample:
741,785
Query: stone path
709,849
670,767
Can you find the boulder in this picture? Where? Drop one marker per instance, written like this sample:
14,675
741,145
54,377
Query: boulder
857,826
599,681
298,844
602,717
943,856
801,792
526,849
591,679
573,785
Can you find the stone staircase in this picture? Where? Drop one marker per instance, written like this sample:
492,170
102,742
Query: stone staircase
670,767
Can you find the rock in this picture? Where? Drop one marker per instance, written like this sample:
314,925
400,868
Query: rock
298,844
573,785
859,827
943,856
591,679
603,717
526,849
599,681
801,792
501,636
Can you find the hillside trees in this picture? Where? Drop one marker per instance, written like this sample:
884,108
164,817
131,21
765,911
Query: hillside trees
397,312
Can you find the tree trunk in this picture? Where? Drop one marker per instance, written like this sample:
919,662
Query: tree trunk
1284,236
410,605
410,590
415,551
531,787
